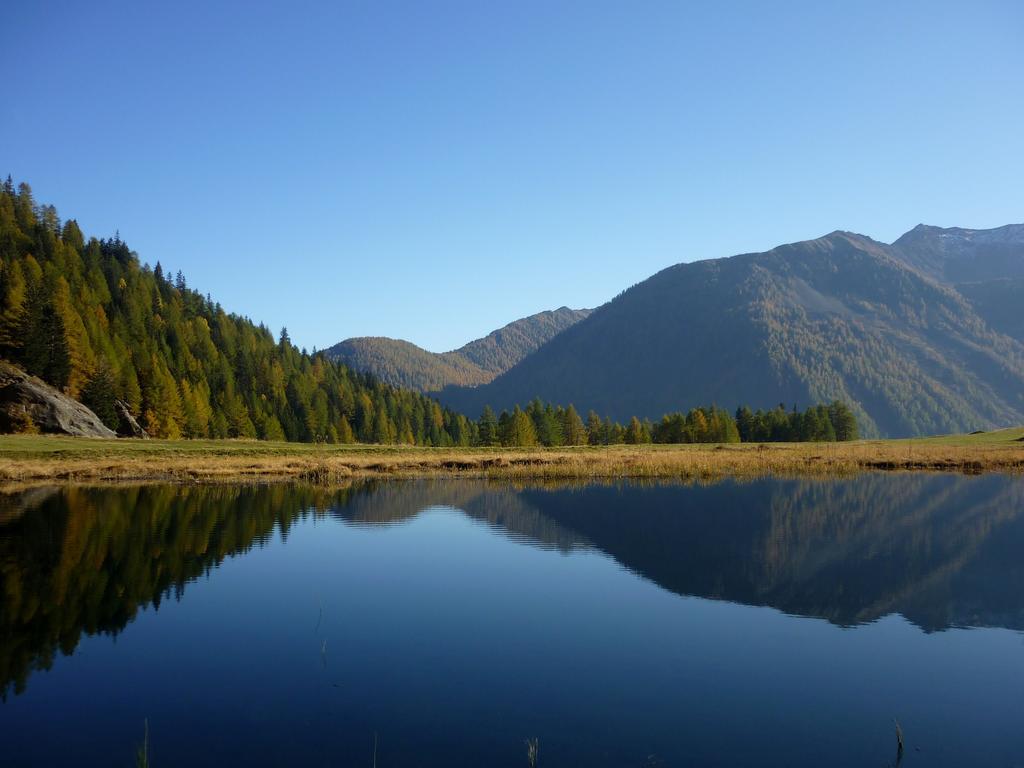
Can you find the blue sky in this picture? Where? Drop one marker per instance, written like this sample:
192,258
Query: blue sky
433,170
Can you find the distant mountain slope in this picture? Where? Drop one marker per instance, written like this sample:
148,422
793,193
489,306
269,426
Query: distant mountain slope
841,317
1000,302
955,255
404,364
501,349
985,265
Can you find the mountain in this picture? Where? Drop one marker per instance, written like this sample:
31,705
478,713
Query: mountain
955,255
999,303
985,265
403,364
89,319
878,326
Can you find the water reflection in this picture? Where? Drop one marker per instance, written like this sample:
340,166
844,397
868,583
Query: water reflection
942,551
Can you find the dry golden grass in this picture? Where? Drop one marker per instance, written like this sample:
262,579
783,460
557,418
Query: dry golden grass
36,458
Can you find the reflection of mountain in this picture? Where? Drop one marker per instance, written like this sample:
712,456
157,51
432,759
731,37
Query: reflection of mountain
389,503
942,550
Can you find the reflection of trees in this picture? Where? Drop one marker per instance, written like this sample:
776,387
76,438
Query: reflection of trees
86,559
941,550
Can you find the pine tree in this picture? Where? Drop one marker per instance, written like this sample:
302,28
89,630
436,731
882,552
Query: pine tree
488,427
44,342
634,432
573,431
614,434
844,423
383,432
345,434
595,429
271,429
522,433
72,235
551,428
13,298
98,394
745,423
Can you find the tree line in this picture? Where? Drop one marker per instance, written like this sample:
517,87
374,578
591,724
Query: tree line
88,318
545,424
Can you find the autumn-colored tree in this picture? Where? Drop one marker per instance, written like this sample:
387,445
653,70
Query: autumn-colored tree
573,431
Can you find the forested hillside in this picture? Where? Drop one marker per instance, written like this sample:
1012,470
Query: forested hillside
986,266
838,318
1000,302
87,317
501,349
404,364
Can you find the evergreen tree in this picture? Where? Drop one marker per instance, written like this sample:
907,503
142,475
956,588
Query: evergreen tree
843,421
595,429
345,433
505,433
546,423
13,299
745,423
635,432
522,433
98,394
573,431
488,427
44,342
613,432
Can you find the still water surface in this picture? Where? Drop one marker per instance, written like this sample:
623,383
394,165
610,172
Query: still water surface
776,622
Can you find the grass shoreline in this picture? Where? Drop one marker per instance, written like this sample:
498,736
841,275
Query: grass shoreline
26,458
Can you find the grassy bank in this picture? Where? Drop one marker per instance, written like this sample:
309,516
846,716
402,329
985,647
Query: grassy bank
34,458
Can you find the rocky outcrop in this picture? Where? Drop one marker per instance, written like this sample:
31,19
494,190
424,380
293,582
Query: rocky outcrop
127,426
29,404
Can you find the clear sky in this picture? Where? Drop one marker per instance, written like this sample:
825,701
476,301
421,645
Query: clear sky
433,170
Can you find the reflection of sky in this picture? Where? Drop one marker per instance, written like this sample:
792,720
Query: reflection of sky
453,644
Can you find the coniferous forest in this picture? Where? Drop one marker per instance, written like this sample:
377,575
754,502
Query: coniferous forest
545,424
88,318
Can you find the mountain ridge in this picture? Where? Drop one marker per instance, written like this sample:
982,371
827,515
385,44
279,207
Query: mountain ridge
404,364
841,316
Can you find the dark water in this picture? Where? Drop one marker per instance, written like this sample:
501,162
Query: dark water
769,623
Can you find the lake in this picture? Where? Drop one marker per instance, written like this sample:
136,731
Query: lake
441,623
